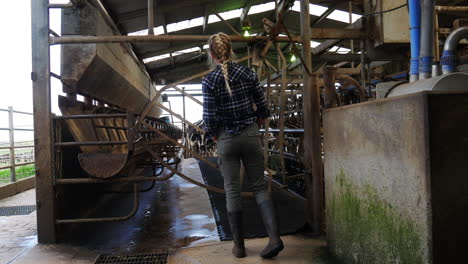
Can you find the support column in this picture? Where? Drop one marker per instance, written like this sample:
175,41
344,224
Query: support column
312,131
42,121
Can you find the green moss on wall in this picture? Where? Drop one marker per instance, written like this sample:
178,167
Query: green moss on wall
363,228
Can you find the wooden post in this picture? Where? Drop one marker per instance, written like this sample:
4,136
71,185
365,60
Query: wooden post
267,121
330,98
312,131
45,192
282,103
12,144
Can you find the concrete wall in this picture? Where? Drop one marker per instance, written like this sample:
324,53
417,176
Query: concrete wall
17,187
396,180
376,181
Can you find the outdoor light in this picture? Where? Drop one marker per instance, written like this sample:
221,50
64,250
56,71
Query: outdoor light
293,58
246,31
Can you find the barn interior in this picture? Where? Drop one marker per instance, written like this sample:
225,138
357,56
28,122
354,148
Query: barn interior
364,150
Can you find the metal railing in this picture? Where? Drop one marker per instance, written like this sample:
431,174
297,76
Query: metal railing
12,156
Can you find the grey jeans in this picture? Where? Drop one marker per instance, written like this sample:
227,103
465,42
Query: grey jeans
245,147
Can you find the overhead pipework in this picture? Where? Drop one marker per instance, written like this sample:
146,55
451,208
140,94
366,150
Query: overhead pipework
449,58
427,38
415,35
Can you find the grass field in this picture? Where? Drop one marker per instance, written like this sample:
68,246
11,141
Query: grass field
21,172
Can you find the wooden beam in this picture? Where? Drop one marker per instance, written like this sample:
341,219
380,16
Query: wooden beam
336,33
225,22
324,15
157,38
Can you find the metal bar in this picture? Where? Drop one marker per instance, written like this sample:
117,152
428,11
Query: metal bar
183,112
89,143
157,38
180,145
17,165
32,146
225,22
45,194
56,76
446,9
21,112
188,95
150,17
112,127
282,99
67,5
12,144
91,116
286,130
181,118
136,204
185,177
53,33
23,129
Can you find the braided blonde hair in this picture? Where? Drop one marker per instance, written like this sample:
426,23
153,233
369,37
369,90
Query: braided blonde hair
220,47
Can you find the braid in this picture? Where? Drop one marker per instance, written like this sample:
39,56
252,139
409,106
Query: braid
220,47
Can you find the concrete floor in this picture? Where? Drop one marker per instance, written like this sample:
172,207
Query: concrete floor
175,215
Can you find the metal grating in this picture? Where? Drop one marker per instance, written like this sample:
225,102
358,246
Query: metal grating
144,258
17,210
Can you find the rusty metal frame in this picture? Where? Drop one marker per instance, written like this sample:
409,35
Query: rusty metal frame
44,151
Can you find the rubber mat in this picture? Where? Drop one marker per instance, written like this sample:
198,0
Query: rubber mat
144,258
290,209
17,210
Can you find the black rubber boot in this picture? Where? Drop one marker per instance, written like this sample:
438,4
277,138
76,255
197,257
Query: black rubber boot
235,221
275,245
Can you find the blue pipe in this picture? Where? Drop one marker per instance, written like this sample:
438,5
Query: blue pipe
415,36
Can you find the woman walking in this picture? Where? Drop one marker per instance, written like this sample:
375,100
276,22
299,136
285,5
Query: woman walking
229,92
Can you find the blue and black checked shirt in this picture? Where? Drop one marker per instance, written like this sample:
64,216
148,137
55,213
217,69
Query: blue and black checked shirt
235,113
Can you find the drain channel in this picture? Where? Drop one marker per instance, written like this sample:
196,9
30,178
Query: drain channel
17,210
144,258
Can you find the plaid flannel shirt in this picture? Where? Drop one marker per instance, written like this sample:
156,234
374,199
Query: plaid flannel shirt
235,113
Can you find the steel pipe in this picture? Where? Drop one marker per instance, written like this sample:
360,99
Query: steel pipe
446,9
90,143
449,58
157,38
91,116
427,39
67,5
150,17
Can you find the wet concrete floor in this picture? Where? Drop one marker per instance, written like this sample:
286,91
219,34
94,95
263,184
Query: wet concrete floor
174,215
171,215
